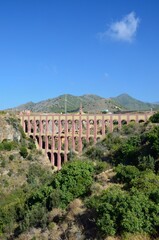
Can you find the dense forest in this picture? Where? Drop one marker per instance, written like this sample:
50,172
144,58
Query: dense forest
110,192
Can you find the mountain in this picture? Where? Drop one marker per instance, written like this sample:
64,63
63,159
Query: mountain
90,103
131,103
69,103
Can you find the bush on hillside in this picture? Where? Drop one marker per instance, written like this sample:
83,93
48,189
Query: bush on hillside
154,118
124,174
23,152
117,211
74,180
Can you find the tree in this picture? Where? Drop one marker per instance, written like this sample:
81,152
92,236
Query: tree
154,118
74,180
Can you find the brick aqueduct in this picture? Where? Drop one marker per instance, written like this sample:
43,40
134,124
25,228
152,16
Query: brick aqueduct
59,134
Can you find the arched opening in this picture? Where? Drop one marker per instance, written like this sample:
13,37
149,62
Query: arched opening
123,122
84,143
55,159
26,126
37,139
63,126
84,126
141,121
76,126
62,158
56,127
49,142
43,126
62,143
106,123
91,126
37,126
49,156
49,127
43,142
31,126
91,140
115,122
99,127
56,143
76,143
69,126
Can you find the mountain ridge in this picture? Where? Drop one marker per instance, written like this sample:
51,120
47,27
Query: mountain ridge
90,103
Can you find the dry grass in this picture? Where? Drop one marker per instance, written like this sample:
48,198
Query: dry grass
139,236
75,208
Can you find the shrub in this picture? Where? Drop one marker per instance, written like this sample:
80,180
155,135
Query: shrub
124,174
11,157
31,144
23,152
36,216
117,211
74,180
94,153
101,166
8,145
154,118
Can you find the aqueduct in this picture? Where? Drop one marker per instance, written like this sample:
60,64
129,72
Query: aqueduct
59,134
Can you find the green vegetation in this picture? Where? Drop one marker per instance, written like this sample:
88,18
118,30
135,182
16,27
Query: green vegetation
133,104
112,190
154,118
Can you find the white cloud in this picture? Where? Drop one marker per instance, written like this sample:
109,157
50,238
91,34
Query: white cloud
124,30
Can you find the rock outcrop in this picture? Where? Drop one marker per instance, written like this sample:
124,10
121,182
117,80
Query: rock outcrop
9,128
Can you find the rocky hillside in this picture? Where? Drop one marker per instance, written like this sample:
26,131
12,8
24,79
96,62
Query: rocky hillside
90,103
70,103
133,104
9,128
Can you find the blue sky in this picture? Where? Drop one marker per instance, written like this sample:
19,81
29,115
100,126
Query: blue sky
54,47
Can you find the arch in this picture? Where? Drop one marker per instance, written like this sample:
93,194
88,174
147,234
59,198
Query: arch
99,126
84,143
37,139
49,156
123,122
91,127
63,126
43,123
141,121
49,127
76,143
84,126
76,126
49,142
26,126
91,140
62,143
56,125
37,126
106,123
55,159
31,126
43,142
56,143
62,158
69,123
115,122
